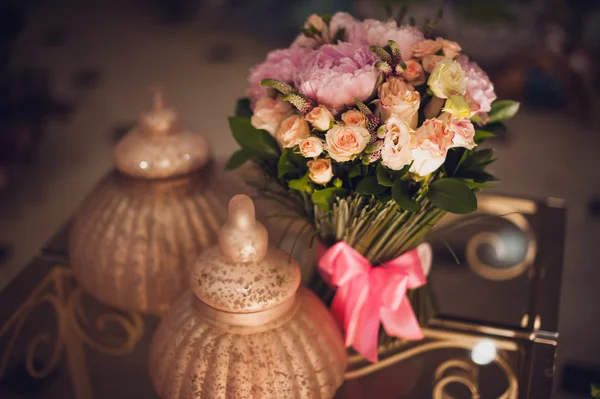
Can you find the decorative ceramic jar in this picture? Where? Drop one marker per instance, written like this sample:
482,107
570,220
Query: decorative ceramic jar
138,231
246,329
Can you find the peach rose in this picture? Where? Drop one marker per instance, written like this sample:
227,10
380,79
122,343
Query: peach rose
429,147
449,48
430,61
397,97
461,130
269,113
320,170
311,147
396,153
292,131
414,73
345,142
426,47
354,118
320,118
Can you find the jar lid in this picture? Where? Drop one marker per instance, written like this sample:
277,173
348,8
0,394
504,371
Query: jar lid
158,148
242,274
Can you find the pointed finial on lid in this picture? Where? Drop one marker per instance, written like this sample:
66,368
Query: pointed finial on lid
242,238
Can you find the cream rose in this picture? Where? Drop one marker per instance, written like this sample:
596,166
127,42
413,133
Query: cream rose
429,147
397,97
461,130
430,61
345,142
320,118
396,153
269,113
449,48
354,118
292,131
320,170
414,73
311,147
426,47
447,79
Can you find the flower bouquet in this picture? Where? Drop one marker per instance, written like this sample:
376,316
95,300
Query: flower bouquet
371,131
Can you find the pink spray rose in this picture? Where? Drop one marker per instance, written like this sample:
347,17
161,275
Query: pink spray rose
414,73
429,147
311,147
449,48
377,33
320,170
354,117
269,113
345,142
279,65
292,131
425,48
335,75
430,61
320,118
480,90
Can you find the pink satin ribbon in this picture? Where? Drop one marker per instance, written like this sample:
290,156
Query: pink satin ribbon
367,295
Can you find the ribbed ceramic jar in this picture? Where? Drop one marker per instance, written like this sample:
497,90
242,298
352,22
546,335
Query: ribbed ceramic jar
245,329
136,234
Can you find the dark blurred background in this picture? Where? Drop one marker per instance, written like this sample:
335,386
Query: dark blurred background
74,74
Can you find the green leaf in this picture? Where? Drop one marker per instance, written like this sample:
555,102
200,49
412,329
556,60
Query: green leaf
478,176
324,198
476,119
339,35
354,171
473,185
452,195
255,140
238,159
481,135
402,196
369,186
290,163
502,110
384,177
326,17
242,108
453,159
302,184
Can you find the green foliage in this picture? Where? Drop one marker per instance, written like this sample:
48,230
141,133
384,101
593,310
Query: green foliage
258,142
482,135
502,110
369,186
354,171
452,195
238,159
595,392
324,198
387,177
402,196
242,108
290,163
301,184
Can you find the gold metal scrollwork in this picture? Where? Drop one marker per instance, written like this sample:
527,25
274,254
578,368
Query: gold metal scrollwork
73,326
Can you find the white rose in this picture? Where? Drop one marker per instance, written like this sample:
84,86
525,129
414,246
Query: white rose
269,113
311,147
320,118
397,97
429,147
395,153
447,79
320,170
345,142
292,131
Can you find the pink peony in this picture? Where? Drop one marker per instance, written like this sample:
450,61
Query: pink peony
279,65
334,75
480,90
377,33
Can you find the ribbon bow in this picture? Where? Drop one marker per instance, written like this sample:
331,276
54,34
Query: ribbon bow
367,295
